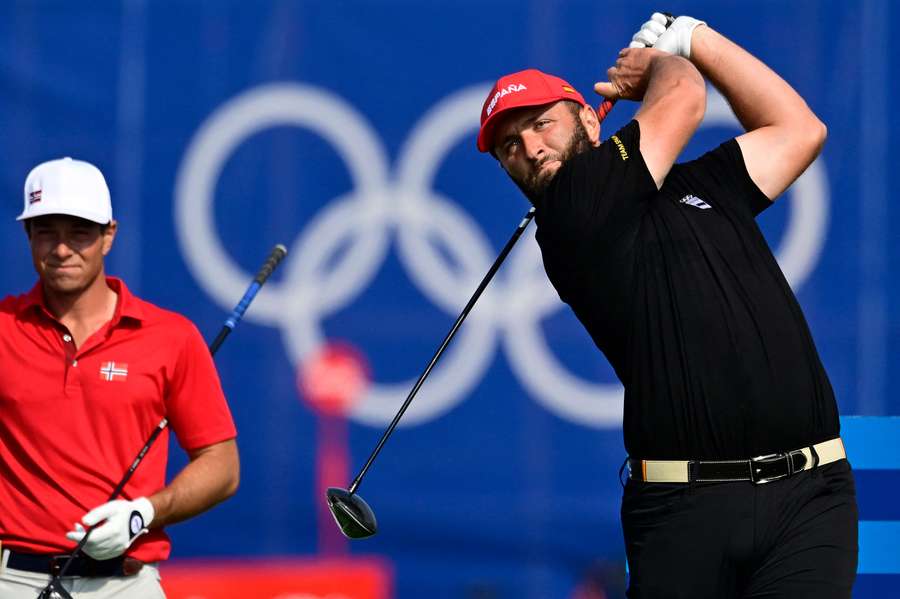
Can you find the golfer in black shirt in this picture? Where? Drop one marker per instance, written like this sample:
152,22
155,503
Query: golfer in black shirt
667,270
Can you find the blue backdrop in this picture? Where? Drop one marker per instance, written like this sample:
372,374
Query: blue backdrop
346,130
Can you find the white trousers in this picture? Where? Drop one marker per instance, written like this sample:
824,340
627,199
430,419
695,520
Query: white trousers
18,584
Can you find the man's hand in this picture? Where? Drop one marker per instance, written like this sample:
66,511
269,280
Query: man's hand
674,40
629,77
124,522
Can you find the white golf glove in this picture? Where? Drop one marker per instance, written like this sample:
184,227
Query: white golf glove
124,522
674,40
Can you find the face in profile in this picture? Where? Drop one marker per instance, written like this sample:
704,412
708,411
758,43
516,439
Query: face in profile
533,143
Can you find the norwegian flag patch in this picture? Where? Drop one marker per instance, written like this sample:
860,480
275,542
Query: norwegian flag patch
113,371
34,196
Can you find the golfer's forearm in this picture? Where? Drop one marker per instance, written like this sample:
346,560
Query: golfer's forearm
675,83
671,111
758,96
210,477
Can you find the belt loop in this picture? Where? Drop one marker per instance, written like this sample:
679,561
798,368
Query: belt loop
621,470
55,566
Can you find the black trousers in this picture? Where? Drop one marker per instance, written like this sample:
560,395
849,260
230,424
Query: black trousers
792,538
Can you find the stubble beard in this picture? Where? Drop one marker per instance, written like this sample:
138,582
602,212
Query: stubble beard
67,286
70,285
535,183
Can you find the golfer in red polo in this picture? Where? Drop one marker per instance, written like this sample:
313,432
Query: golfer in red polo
87,371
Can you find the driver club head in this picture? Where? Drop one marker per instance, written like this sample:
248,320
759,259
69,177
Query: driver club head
353,515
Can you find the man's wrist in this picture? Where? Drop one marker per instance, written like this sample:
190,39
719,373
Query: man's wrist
157,501
699,37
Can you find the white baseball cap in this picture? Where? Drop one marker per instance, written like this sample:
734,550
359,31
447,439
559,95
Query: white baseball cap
67,186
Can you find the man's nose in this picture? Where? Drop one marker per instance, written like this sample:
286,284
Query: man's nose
533,145
62,248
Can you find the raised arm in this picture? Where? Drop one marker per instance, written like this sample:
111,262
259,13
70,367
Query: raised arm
673,99
783,135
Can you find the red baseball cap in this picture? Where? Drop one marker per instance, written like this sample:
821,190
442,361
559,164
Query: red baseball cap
525,88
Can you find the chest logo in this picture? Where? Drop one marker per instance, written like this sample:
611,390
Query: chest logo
113,371
692,200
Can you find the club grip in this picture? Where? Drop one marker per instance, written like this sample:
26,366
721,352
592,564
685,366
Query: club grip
604,109
265,271
277,254
607,105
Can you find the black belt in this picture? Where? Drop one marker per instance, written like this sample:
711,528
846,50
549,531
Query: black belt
80,566
757,470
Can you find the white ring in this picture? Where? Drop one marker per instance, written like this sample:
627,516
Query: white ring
219,136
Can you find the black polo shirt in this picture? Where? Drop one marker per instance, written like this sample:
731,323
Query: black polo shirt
680,291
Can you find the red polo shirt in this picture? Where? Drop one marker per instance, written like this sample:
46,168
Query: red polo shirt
72,421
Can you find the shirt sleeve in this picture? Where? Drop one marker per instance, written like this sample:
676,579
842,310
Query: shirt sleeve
195,403
593,185
724,169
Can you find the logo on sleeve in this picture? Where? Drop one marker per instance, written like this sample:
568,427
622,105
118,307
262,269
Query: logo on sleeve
622,152
692,200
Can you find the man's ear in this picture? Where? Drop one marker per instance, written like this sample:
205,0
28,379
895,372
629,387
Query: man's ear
109,235
591,123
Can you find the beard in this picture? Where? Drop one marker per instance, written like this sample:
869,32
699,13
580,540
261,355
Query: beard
535,183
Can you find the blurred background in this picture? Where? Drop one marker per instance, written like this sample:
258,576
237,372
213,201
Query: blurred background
346,130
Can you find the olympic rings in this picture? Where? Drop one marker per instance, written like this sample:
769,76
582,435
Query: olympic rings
405,208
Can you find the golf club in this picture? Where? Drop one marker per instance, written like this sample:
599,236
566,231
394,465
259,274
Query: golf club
54,589
353,515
